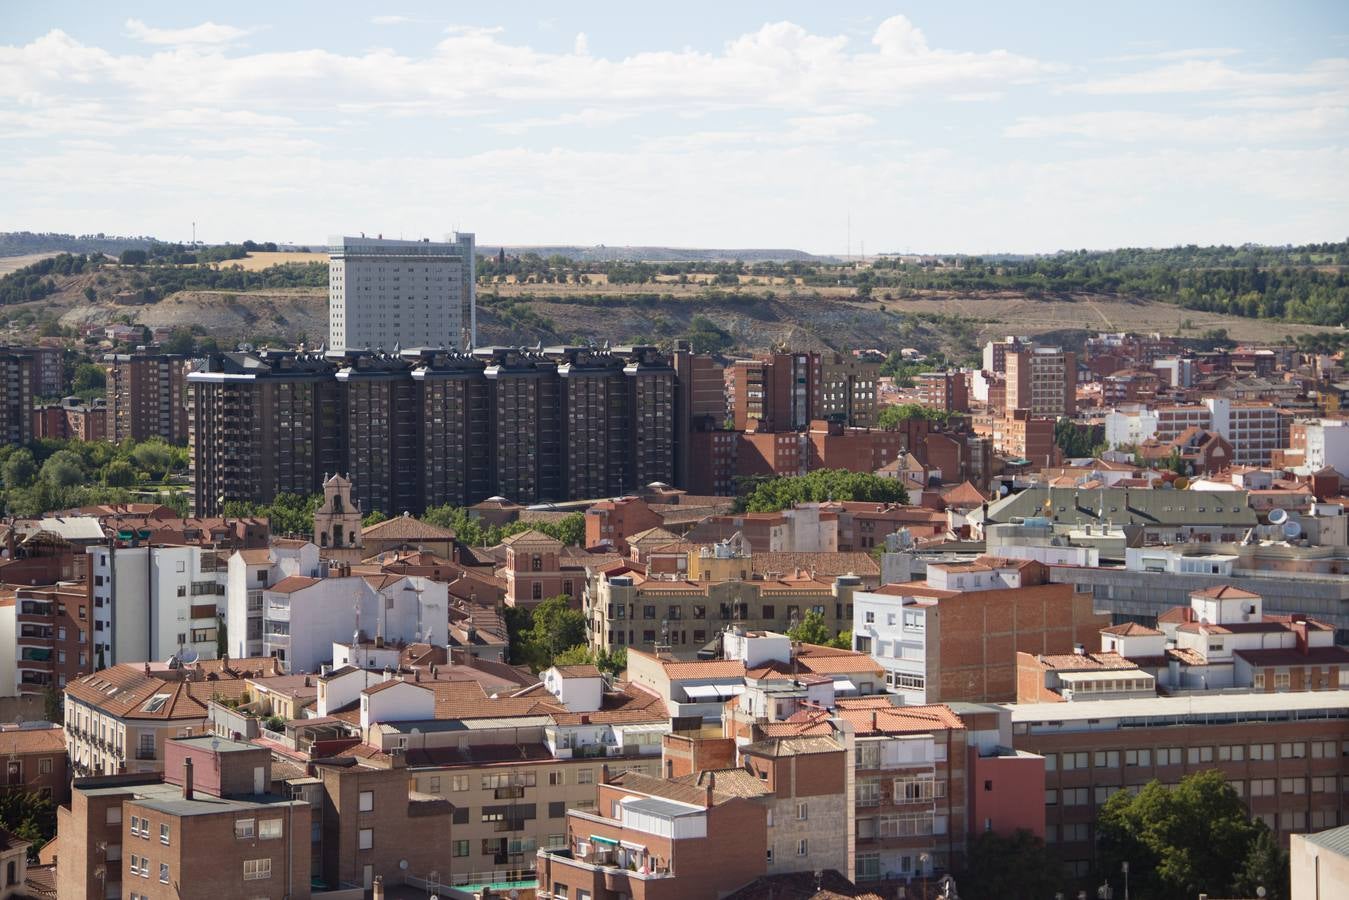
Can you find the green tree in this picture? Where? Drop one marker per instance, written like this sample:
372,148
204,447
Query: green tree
1178,842
891,416
30,817
64,468
555,627
574,656
133,257
843,641
119,473
613,662
774,494
571,530
89,378
20,469
811,630
1072,440
53,709
374,517
181,341
153,456
1266,866
1009,867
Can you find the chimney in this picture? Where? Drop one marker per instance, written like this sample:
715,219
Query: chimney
604,773
711,787
187,778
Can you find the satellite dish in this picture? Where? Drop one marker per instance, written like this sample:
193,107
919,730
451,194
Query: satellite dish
403,864
1182,483
187,656
1003,490
1278,516
1291,531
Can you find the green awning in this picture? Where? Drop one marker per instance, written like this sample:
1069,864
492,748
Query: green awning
604,840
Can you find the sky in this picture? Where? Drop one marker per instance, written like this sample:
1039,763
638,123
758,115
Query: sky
861,127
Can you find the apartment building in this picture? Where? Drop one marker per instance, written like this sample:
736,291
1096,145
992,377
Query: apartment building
147,396
383,294
700,409
1042,380
35,760
626,608
947,390
118,719
1320,443
954,636
651,838
848,387
72,418
152,602
17,393
429,427
610,523
787,391
770,676
1284,754
211,818
44,638
302,616
248,573
807,528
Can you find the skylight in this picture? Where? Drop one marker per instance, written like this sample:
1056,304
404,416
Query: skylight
155,703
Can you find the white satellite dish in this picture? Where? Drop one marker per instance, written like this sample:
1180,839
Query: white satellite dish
1291,531
1278,516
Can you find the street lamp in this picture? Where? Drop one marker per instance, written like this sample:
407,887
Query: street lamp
1124,867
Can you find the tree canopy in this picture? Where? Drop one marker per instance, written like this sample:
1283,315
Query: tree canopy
1195,838
774,494
1009,867
891,416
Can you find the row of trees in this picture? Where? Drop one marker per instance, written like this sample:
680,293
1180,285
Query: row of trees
553,633
773,494
50,474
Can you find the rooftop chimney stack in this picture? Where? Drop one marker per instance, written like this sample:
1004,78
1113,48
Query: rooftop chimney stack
187,779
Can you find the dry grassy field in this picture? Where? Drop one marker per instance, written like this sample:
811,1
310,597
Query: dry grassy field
257,261
13,263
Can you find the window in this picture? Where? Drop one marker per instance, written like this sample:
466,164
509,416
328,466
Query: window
367,801
1108,759
1168,756
803,847
1138,757
434,785
1075,796
461,848
114,815
1262,787
1292,785
1070,761
769,855
1263,752
269,829
557,809
1295,750
1051,798
244,829
164,834
164,873
801,813
1320,750
458,782
870,617
365,839
44,766
1232,753
257,869
1197,755
140,866
1281,682
585,776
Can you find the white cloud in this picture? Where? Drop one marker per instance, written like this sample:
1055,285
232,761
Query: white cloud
205,33
1134,126
1197,76
581,47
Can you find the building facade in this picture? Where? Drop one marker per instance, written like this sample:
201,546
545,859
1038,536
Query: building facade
383,294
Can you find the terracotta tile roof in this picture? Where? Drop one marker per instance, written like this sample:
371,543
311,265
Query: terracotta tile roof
405,528
630,705
830,885
726,783
903,719
40,881
258,557
708,668
530,536
1130,629
1225,592
964,494
393,683
125,691
1187,656
668,790
819,564
584,671
1085,662
1177,614
293,583
796,728
32,740
793,746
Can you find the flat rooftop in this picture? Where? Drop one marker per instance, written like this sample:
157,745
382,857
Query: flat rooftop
1276,705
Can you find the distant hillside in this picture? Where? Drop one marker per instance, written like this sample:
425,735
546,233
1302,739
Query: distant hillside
602,253
23,243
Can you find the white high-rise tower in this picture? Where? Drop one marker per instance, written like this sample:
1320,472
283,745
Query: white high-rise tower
384,294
